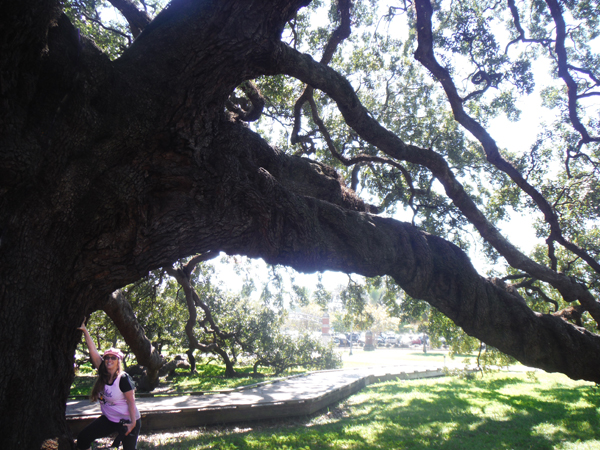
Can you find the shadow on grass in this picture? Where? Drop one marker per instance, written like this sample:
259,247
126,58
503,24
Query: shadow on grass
405,386
449,415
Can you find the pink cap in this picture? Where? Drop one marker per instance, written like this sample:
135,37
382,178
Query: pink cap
114,351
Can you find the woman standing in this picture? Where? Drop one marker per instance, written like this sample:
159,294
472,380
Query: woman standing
114,389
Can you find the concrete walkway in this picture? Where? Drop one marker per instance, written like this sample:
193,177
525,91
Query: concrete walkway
294,396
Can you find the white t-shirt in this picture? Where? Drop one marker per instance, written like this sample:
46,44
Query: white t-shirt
113,402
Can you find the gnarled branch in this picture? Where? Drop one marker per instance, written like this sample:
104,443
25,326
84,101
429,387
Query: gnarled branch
137,19
121,313
322,77
249,109
426,56
336,38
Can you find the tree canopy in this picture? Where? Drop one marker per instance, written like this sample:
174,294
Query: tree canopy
302,133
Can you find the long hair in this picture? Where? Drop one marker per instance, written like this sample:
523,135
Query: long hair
103,379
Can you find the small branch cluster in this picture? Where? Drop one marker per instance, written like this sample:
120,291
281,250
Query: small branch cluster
249,108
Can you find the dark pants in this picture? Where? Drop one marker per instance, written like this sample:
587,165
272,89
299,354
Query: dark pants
102,427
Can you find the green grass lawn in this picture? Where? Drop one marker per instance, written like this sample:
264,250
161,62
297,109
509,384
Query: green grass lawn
498,411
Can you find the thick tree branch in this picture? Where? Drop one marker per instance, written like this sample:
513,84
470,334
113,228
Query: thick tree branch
138,19
521,33
563,70
426,56
425,266
356,116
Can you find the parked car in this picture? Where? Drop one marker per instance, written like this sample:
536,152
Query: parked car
341,340
416,340
352,337
390,341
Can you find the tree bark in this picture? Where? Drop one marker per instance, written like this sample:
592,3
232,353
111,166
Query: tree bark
111,169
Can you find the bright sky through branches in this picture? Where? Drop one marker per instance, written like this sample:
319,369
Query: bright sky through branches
515,137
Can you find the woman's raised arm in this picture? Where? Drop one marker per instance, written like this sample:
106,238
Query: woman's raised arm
94,355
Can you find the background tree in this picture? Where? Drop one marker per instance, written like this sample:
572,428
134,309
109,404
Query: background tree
110,168
353,314
280,352
159,309
233,326
184,309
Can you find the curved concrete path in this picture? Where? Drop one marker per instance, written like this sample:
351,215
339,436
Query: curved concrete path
294,396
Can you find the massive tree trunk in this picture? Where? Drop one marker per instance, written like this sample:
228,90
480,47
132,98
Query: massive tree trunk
111,169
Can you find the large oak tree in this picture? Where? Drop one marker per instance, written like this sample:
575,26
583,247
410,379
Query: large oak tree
111,168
